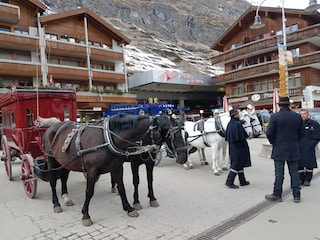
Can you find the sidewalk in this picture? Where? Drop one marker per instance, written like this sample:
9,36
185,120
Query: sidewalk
285,220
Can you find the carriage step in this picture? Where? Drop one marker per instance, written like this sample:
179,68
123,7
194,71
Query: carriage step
24,178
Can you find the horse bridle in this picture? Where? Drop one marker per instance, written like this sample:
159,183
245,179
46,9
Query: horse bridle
170,134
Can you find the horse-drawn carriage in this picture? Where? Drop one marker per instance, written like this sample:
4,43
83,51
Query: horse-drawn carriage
26,115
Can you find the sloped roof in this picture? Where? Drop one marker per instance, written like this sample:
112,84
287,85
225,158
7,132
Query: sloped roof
35,4
247,18
117,35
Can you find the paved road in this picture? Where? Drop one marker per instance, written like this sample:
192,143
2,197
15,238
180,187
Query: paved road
192,202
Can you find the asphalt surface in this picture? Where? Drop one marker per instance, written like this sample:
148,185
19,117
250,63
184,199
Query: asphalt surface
194,204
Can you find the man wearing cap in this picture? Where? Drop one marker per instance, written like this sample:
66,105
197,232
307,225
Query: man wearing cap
284,131
238,150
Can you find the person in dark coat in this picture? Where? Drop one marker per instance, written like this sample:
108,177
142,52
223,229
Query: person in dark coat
284,132
238,150
308,160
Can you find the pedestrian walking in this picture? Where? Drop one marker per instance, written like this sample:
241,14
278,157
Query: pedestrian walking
238,150
308,143
284,132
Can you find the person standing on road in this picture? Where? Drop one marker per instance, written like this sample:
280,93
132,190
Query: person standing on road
308,160
284,132
238,150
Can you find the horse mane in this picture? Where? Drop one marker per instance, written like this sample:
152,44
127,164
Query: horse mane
124,121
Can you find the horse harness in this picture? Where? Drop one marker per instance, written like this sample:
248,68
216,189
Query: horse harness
200,126
136,149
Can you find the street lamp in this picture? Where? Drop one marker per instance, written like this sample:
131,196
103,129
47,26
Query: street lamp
313,6
257,25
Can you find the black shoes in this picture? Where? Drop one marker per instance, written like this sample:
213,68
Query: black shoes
273,198
306,183
244,183
233,186
296,199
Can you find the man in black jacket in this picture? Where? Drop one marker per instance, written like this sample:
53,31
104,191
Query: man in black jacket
284,132
308,160
238,150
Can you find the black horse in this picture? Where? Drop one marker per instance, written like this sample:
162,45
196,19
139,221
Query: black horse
173,135
97,149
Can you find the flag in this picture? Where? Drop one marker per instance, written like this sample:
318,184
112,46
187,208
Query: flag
225,104
275,100
51,82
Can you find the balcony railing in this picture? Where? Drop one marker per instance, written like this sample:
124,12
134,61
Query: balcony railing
19,68
268,43
57,47
9,13
81,74
266,68
108,76
16,41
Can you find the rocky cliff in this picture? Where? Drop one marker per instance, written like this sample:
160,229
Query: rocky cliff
165,34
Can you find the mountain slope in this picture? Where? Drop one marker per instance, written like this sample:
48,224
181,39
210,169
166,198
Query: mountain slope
165,34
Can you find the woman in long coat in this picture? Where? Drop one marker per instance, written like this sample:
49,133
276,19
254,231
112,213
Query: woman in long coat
238,150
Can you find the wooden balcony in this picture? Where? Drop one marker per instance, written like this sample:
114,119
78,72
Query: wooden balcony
88,100
10,40
266,69
20,69
9,13
105,54
63,72
107,76
268,44
81,74
65,49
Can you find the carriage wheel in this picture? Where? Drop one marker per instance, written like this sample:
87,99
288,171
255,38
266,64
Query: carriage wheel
6,156
27,175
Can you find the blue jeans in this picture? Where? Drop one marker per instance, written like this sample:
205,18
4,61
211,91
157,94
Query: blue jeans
279,177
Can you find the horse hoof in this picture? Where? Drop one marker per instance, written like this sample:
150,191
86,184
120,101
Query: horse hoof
134,213
69,203
186,168
114,190
154,203
57,209
87,222
217,174
225,169
137,206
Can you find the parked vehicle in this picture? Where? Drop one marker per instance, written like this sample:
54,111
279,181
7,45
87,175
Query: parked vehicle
26,115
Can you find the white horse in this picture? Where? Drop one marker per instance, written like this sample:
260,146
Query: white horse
254,121
210,133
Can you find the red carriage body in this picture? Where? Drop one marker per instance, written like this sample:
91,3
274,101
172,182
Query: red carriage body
22,131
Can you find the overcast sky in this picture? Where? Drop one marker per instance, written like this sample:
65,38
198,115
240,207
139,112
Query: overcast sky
298,4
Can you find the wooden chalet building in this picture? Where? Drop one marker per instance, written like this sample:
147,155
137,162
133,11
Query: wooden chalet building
250,58
70,50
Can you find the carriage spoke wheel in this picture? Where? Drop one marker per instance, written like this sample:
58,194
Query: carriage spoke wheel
27,175
6,157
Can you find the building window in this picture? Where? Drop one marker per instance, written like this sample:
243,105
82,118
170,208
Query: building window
5,29
22,32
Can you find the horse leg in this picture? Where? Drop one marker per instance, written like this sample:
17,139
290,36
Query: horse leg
225,157
64,175
152,200
215,153
136,180
53,183
203,158
118,174
92,177
114,185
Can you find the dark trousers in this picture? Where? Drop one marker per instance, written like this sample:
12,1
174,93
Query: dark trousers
279,177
